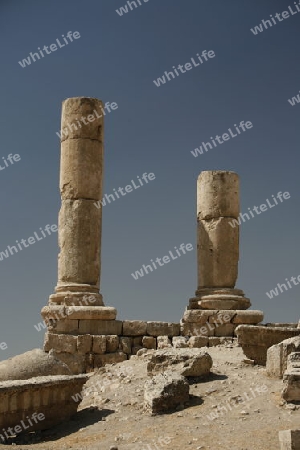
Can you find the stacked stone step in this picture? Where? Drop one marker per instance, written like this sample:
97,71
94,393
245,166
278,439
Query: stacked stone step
76,311
218,307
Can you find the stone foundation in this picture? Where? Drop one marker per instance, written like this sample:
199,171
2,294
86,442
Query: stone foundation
85,352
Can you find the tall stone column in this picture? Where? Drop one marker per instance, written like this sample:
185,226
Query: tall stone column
218,255
80,221
76,308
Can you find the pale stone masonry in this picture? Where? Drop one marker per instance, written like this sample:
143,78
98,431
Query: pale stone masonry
218,307
256,340
49,398
79,234
82,332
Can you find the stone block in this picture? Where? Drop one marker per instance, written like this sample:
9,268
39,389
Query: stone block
214,341
248,317
91,312
163,342
280,325
134,328
76,299
293,361
198,341
222,317
72,110
137,341
255,340
99,345
197,316
126,344
60,343
291,390
277,356
112,344
55,312
74,361
100,327
79,241
136,348
218,253
109,358
163,329
149,342
289,439
187,362
217,194
84,344
224,330
165,392
179,342
64,326
197,329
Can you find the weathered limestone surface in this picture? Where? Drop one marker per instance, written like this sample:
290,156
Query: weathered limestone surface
32,364
50,396
79,242
289,439
217,194
208,323
218,256
180,342
294,361
252,317
165,392
277,356
80,186
109,358
149,342
218,242
77,308
187,362
163,342
291,378
198,341
91,313
218,253
291,390
163,329
255,340
134,328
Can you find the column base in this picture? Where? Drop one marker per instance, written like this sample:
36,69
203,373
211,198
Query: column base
79,313
218,323
76,298
219,299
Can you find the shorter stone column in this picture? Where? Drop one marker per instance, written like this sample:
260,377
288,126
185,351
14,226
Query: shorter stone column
218,255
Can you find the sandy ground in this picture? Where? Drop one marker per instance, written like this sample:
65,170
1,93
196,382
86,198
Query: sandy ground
247,407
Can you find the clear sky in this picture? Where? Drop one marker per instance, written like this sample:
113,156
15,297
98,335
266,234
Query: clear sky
153,130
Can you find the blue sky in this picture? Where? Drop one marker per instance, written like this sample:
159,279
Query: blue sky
153,130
